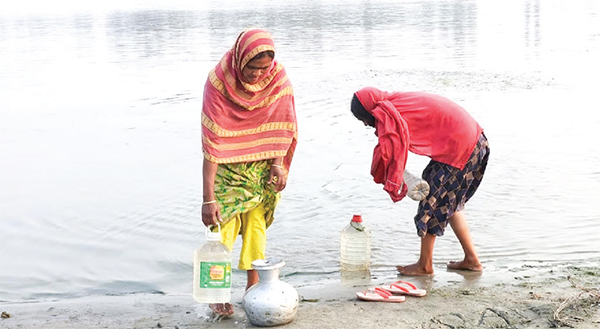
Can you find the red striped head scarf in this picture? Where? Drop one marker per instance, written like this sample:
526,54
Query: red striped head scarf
244,122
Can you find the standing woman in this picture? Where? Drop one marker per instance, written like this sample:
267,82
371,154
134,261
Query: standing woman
432,126
249,134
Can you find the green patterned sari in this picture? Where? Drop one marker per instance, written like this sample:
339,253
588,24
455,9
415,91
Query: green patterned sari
241,187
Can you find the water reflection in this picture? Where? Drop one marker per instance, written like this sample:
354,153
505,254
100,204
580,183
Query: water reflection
355,278
531,13
152,33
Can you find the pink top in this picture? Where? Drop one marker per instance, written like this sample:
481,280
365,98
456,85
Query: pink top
419,122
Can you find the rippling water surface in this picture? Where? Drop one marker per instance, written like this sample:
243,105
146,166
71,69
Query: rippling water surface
100,154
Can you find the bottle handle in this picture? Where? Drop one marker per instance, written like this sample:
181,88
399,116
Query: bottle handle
357,226
208,229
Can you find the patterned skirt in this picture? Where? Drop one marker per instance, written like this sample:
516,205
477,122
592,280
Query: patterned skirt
241,187
450,189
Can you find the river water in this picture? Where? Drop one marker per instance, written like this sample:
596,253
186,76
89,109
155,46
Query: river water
100,153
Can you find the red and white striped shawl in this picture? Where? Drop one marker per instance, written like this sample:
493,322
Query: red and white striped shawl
244,122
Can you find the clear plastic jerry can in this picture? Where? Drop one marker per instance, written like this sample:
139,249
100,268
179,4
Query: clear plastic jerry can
212,270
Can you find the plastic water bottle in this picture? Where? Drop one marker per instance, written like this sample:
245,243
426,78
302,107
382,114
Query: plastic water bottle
355,246
212,270
418,188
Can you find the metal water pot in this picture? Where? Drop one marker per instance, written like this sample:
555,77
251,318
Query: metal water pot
270,302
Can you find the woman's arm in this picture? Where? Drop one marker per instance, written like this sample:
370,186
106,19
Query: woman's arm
211,214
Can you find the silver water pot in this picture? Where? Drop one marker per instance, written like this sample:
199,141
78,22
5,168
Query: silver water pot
270,302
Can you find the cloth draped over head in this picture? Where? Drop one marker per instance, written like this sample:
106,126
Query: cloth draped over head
244,122
391,152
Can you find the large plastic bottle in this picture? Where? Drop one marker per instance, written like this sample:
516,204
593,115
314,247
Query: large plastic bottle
212,271
355,246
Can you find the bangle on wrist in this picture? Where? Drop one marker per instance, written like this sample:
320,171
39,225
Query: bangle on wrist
277,166
209,202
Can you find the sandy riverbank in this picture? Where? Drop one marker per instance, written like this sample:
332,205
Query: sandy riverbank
522,301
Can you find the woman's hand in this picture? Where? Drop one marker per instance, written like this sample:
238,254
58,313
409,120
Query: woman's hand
211,215
277,177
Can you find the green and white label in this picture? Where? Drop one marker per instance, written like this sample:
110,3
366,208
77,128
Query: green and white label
215,274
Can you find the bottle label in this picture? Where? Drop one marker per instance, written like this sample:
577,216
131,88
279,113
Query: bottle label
215,274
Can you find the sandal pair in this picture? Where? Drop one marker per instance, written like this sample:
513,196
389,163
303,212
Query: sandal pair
386,293
379,295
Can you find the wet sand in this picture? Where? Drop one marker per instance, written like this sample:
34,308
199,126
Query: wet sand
552,297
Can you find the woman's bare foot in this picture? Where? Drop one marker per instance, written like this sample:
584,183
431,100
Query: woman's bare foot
465,266
221,309
415,270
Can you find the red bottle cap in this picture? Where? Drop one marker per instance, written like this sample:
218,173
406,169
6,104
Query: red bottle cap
357,219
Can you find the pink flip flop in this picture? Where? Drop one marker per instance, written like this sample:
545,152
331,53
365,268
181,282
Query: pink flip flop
404,288
379,295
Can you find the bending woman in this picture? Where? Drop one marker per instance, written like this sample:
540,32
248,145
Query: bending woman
249,134
432,126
